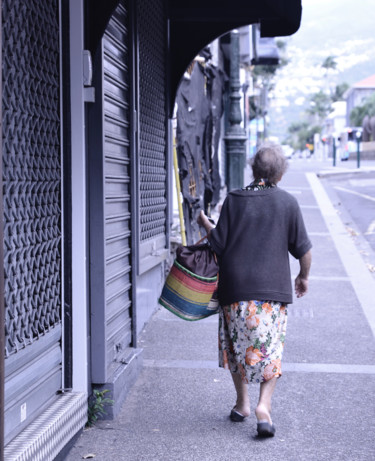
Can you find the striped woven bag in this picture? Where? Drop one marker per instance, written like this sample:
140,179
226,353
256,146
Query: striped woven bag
190,288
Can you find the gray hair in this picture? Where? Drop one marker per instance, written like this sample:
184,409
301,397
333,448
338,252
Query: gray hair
269,163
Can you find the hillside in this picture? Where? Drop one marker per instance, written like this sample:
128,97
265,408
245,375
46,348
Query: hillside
343,29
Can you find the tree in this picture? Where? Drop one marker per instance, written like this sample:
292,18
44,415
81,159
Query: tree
329,64
338,94
320,106
358,113
302,133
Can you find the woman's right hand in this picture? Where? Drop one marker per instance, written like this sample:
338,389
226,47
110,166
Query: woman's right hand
301,286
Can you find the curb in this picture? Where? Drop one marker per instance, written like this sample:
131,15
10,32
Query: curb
345,172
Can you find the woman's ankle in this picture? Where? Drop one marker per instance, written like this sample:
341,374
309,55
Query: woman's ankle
243,408
263,413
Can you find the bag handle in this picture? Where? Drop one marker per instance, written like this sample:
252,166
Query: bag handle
201,240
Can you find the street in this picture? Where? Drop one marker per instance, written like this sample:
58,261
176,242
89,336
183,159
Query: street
353,196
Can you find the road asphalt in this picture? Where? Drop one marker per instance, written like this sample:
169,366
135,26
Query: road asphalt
324,404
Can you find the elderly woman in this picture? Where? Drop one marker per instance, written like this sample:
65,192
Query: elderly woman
258,227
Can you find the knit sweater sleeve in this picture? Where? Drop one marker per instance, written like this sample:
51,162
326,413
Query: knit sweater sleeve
299,243
219,235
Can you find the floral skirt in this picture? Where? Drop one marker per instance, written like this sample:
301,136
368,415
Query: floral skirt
251,339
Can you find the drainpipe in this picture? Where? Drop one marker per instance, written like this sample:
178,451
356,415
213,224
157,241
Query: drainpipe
235,137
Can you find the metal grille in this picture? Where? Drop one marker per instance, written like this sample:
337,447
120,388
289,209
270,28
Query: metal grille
152,84
31,170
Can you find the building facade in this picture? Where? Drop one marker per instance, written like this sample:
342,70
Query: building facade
87,94
357,95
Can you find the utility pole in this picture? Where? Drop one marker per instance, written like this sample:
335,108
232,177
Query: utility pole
235,137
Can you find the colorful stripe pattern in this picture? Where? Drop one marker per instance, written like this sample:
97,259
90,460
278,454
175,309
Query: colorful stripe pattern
188,295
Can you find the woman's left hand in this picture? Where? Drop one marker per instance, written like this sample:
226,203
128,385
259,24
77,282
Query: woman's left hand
203,221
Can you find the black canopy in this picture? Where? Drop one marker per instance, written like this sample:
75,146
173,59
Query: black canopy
195,23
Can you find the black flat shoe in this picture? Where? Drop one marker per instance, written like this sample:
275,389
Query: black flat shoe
236,416
265,429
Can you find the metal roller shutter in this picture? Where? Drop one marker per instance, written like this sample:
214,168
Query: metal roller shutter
32,208
110,213
152,132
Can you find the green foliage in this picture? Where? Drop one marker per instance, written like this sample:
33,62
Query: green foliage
320,105
301,133
359,112
338,94
329,63
97,404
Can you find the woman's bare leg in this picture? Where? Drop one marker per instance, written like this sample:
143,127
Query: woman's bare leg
263,410
243,401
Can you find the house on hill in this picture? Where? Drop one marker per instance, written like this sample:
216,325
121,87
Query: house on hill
358,93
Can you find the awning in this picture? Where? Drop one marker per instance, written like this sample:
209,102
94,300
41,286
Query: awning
196,23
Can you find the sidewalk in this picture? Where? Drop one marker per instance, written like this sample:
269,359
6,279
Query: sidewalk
324,404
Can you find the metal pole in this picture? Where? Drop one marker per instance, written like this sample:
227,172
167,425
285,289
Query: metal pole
334,151
235,137
178,190
358,154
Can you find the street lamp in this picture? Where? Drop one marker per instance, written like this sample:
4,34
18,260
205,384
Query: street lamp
235,137
358,136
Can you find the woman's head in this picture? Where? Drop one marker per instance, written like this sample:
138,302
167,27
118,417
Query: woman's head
269,163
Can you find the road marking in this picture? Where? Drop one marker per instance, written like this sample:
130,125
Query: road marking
362,281
329,278
353,192
288,367
371,229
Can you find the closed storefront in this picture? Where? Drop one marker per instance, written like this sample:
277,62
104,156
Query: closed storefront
127,152
32,209
152,155
110,197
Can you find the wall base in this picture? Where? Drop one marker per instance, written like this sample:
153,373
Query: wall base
122,378
47,435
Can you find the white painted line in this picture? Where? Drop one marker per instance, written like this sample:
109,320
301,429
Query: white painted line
329,278
310,207
371,229
329,368
325,278
353,192
288,367
362,281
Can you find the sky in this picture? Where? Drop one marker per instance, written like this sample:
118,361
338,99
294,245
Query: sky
344,29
